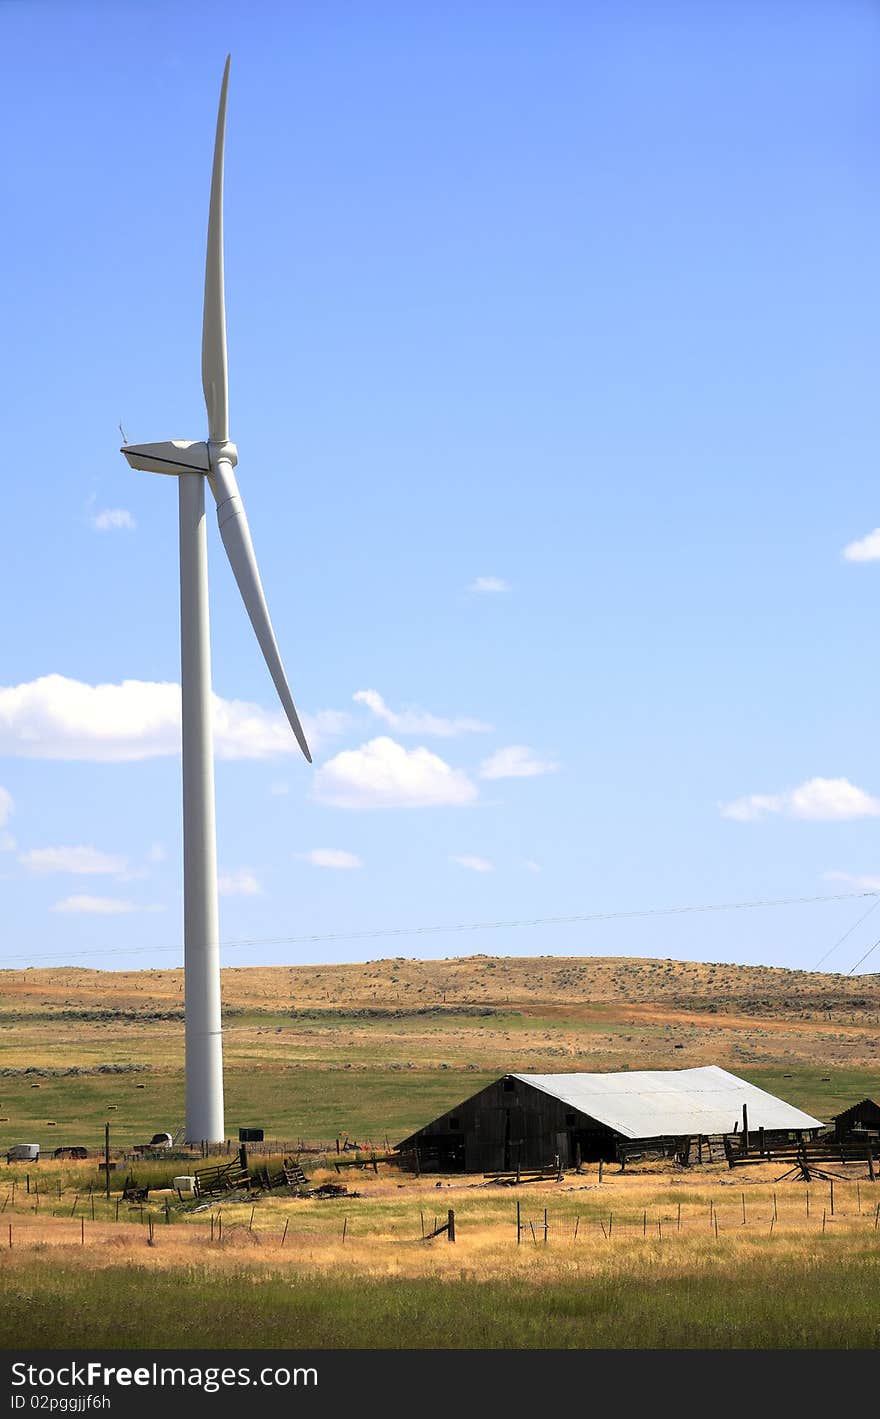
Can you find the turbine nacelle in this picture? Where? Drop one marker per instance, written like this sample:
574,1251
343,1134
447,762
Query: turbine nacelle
177,456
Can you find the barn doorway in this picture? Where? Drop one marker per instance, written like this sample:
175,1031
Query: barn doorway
595,1144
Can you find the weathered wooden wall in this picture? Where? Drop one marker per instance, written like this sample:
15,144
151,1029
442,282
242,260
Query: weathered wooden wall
510,1124
861,1118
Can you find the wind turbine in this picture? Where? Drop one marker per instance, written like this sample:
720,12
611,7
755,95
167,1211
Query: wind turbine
194,464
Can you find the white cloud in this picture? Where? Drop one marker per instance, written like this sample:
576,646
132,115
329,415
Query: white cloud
819,800
242,883
55,717
867,549
866,884
490,584
157,853
111,519
382,774
531,866
516,761
752,807
7,842
473,864
98,906
332,857
83,861
416,721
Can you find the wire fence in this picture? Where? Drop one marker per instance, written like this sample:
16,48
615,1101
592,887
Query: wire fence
88,1219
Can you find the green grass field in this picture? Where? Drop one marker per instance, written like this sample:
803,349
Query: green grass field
366,1104
823,1303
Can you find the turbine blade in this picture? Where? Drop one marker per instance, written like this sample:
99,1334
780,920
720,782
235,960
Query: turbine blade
214,374
236,536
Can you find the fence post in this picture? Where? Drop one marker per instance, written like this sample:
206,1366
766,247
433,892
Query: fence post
450,1225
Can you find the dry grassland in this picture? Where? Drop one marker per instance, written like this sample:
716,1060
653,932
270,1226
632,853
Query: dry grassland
375,1050
669,1248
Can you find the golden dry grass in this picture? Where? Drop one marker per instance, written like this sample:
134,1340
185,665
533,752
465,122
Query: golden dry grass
547,1012
592,1228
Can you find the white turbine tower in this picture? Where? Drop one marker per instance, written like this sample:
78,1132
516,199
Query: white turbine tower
193,464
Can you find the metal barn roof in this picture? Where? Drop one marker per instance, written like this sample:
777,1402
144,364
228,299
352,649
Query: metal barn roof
653,1103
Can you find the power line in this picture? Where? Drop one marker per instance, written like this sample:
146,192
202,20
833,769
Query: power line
321,938
864,917
865,957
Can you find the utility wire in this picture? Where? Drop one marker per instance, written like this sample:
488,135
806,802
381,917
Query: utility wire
390,932
864,917
865,957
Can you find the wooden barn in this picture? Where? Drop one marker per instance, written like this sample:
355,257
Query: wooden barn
528,1120
862,1121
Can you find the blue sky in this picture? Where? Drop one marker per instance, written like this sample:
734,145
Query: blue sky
553,373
